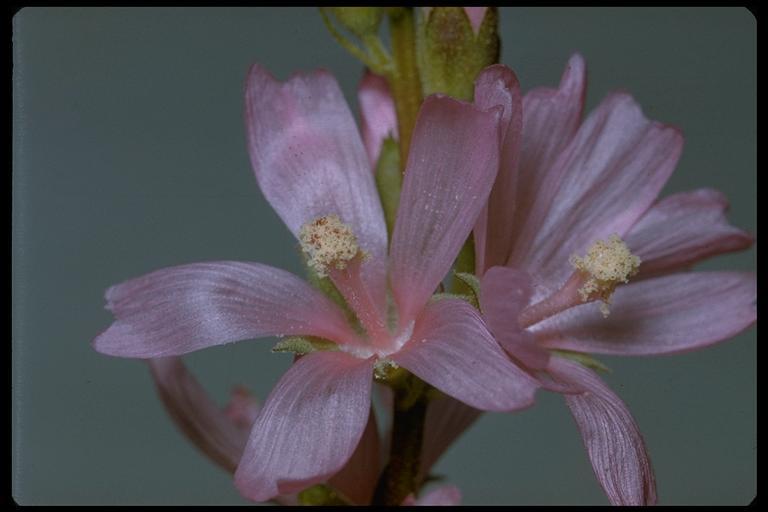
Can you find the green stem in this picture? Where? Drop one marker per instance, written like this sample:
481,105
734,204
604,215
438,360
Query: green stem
399,478
465,262
404,79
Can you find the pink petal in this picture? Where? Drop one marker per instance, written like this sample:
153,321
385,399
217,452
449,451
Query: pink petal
452,163
309,426
216,432
505,292
475,15
446,420
603,181
550,120
498,85
611,437
663,315
181,309
683,229
357,479
446,496
309,160
451,349
242,408
377,114
210,429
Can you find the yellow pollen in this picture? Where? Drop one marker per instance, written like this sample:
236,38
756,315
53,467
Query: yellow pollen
329,243
607,263
383,366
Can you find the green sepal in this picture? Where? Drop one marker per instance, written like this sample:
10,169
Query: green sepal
464,264
389,181
304,345
473,283
361,21
583,359
440,296
321,494
450,54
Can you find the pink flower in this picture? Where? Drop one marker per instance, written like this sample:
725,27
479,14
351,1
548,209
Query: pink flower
222,433
311,165
574,217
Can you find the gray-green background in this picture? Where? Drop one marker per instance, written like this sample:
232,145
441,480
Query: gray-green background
129,155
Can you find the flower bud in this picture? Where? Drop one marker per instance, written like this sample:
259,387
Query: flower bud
453,47
361,21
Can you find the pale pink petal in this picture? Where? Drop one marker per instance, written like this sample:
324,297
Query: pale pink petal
451,349
220,434
446,420
357,479
475,15
550,120
611,436
446,496
377,114
662,315
202,421
242,408
683,229
505,292
309,426
309,159
603,181
498,85
452,163
181,309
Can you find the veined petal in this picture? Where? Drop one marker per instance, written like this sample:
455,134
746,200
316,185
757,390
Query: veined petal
357,479
607,177
498,85
611,436
550,120
451,349
663,315
505,292
683,229
309,426
181,309
446,420
452,163
309,160
209,428
377,114
446,496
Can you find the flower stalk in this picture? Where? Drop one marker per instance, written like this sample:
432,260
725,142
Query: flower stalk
404,80
399,478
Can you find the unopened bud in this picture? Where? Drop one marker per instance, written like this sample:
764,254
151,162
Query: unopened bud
454,45
361,21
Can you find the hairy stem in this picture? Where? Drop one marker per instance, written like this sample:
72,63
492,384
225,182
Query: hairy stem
404,78
399,478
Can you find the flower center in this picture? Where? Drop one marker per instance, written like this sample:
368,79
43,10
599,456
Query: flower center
606,264
329,243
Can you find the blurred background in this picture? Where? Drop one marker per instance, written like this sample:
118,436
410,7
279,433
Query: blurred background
129,155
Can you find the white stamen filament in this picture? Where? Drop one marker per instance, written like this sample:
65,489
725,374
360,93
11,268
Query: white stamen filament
598,273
